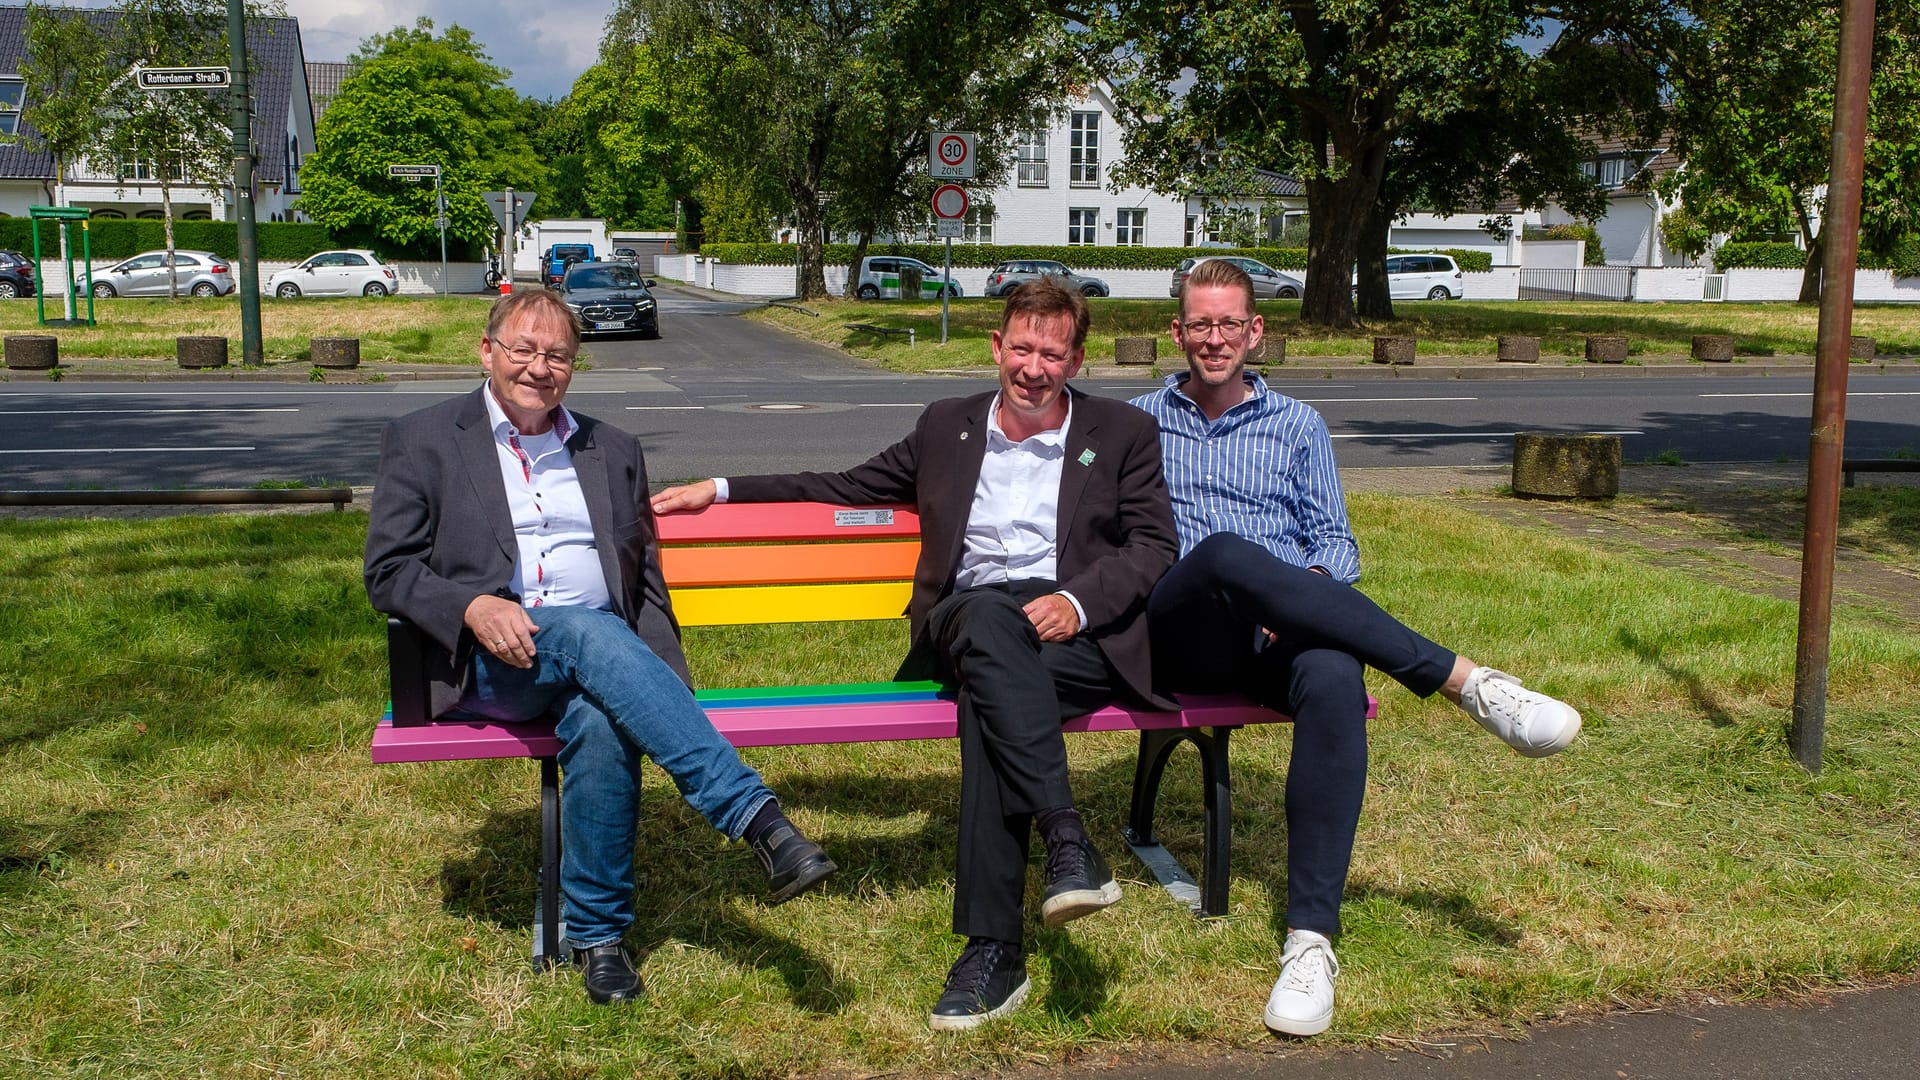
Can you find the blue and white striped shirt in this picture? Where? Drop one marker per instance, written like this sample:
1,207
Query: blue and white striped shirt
1263,471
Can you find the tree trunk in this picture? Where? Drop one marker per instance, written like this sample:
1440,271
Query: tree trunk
1337,211
166,226
70,302
853,266
1810,275
810,264
1374,300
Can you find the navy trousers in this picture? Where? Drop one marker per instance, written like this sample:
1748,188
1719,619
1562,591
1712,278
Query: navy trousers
1206,615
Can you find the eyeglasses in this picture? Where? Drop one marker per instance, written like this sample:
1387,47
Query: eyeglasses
525,354
1229,328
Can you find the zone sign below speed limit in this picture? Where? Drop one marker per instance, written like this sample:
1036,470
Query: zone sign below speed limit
950,202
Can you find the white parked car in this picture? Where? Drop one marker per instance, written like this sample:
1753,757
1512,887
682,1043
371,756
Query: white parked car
355,272
1424,277
880,276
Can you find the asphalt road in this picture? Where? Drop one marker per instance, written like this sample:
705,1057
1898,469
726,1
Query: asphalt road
718,395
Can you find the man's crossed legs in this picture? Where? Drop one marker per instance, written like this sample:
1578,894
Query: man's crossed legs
1230,616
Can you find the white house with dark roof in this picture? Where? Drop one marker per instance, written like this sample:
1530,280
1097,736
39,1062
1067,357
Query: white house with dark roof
282,129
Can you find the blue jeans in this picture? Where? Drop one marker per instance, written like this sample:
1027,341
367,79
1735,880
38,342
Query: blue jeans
617,703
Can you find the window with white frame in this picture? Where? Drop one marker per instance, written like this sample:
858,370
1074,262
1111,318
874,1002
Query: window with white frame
13,91
1131,228
1031,158
144,169
978,226
1083,153
1083,225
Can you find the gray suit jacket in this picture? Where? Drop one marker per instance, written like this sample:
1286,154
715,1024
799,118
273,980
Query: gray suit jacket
1115,537
441,533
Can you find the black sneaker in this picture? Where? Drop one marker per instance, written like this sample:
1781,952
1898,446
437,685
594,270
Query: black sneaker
989,980
1078,882
609,973
793,863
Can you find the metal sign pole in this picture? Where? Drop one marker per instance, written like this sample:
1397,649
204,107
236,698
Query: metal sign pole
946,290
251,350
440,217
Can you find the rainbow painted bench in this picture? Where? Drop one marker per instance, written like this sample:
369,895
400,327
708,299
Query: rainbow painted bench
812,562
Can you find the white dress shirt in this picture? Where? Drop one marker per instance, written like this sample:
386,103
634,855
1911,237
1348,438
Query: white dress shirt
556,562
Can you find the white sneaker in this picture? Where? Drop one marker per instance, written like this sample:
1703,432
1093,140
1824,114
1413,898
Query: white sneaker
1302,999
1529,721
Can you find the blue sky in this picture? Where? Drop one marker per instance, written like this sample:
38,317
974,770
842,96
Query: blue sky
545,46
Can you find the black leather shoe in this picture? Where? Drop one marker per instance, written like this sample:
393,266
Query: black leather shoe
988,981
1078,882
609,973
793,863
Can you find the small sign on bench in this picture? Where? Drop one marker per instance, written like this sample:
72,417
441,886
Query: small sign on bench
846,519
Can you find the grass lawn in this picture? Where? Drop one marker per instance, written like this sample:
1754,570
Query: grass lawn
1444,328
201,872
405,329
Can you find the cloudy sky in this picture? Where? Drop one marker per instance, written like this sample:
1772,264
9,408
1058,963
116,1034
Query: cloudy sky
545,46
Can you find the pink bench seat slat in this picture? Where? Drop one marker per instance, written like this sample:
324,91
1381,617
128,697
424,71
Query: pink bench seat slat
750,523
800,725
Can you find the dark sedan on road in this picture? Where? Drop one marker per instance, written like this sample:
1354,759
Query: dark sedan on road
611,298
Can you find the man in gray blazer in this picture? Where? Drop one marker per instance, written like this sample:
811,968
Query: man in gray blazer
1044,523
517,535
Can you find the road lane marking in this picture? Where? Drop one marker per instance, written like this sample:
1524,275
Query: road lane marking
135,412
138,450
1850,393
1366,400
665,408
1473,434
891,404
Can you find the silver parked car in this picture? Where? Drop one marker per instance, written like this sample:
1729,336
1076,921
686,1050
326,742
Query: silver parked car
1268,283
1014,273
202,273
354,272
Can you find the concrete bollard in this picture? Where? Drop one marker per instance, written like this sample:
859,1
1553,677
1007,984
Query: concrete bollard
334,352
32,352
1135,350
1606,348
1517,348
201,351
1393,350
1717,348
1271,350
1551,466
1860,347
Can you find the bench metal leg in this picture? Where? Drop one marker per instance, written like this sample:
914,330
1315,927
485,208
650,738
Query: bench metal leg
547,927
1208,899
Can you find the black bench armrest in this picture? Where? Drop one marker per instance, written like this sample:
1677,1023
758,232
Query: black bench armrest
407,651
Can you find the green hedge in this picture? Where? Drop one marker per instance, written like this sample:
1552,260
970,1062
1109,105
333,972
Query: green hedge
117,238
1080,258
1747,253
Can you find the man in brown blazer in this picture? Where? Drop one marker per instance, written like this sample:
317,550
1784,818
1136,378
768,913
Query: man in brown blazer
1044,523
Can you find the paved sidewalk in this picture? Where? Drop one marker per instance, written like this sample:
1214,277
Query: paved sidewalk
1852,1035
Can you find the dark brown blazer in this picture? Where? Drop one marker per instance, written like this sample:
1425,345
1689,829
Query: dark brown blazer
441,533
1116,534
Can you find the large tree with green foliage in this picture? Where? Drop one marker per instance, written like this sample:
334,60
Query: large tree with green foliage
832,100
1336,93
417,97
1753,123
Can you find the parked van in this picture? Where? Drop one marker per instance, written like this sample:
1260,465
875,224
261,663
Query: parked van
883,275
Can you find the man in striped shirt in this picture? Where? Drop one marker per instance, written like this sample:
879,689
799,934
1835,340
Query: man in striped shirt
1262,601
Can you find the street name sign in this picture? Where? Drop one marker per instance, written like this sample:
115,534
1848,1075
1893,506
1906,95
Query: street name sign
950,155
413,172
184,78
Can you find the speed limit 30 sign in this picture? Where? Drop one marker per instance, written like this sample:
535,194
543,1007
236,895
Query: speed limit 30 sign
950,155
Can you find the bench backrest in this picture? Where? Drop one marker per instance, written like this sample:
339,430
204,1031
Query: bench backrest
743,563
